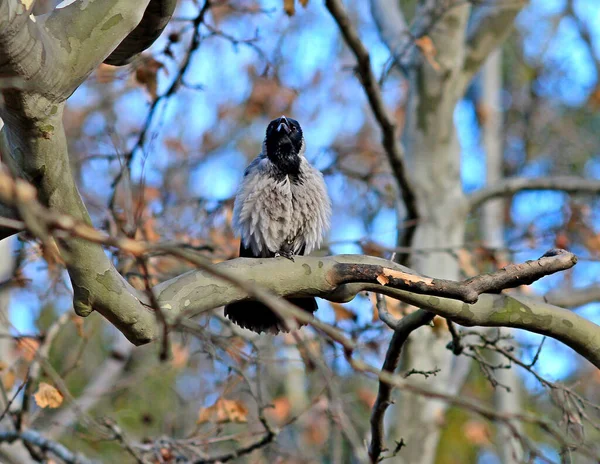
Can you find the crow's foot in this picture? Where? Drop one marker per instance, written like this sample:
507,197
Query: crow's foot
286,254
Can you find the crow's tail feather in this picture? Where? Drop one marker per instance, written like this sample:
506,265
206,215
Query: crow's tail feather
257,317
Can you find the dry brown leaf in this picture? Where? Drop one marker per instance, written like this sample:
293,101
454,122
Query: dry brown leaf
27,347
594,98
371,248
342,313
426,46
561,240
394,307
367,397
235,348
382,279
440,325
304,3
280,411
592,243
289,7
146,74
465,261
8,379
181,354
78,322
224,411
47,396
482,112
477,432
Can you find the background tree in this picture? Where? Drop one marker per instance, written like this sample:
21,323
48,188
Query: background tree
156,143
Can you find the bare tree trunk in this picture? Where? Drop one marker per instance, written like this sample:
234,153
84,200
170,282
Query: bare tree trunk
508,400
434,160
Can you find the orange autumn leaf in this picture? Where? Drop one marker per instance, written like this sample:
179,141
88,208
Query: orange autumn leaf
428,50
8,379
594,98
47,396
146,74
440,326
342,313
280,411
371,248
78,322
465,261
224,411
477,432
181,355
289,7
367,397
27,347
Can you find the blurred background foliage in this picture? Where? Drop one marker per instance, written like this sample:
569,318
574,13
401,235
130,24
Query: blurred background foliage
163,165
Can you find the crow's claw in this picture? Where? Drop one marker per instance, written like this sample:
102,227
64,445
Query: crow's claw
286,254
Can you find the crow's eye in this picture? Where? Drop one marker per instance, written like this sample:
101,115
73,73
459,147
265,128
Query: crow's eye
293,128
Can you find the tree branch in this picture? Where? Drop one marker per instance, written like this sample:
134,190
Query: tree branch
155,19
53,56
87,32
336,278
108,373
390,142
35,438
490,24
573,297
392,28
406,326
511,186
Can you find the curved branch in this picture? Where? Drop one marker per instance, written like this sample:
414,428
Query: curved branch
511,186
406,326
336,278
155,19
573,297
393,149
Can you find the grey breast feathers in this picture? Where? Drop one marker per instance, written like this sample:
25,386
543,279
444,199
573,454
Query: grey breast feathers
270,210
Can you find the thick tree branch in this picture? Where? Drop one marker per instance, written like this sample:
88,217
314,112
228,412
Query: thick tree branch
511,186
490,24
55,54
52,57
155,19
337,278
390,142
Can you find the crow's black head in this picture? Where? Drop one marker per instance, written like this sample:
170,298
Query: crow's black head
284,144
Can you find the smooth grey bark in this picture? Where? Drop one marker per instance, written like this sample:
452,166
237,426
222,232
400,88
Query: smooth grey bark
507,395
433,155
49,59
434,161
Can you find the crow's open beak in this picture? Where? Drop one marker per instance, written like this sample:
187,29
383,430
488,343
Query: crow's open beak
284,125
